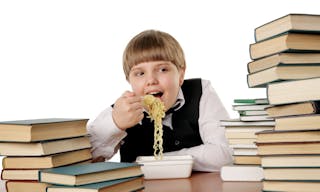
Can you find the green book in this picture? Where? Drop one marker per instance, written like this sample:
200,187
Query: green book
31,130
89,173
251,101
118,185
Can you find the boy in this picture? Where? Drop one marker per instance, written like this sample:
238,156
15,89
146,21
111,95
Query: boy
154,63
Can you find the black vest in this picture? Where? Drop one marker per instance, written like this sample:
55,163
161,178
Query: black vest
185,133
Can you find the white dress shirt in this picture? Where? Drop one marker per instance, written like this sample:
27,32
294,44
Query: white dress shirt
210,156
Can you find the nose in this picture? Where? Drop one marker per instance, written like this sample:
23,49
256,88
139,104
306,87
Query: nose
152,79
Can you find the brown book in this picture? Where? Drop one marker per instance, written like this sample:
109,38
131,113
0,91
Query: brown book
288,136
294,91
304,108
295,173
298,148
300,122
246,160
44,147
282,73
305,23
289,42
50,161
284,59
42,129
26,186
290,161
305,186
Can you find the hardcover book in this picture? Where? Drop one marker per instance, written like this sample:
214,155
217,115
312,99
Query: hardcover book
49,161
296,91
290,161
44,147
42,129
304,23
118,185
304,108
90,173
284,59
289,42
282,73
305,186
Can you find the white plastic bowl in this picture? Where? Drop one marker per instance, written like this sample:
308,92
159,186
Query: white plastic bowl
168,168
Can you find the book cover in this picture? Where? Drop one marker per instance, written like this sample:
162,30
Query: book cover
294,91
251,101
284,59
282,73
42,129
288,136
289,42
118,185
303,108
42,148
290,161
304,23
89,173
49,161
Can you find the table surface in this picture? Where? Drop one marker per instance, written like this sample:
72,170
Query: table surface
198,182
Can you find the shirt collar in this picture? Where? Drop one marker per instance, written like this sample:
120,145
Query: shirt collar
180,101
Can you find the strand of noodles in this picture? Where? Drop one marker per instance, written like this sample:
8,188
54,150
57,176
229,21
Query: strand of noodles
156,112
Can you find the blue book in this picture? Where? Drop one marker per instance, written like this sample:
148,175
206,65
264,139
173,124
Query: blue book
75,175
118,185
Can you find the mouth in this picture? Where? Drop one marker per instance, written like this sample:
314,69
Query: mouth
156,94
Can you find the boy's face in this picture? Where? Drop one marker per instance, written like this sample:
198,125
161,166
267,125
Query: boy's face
162,79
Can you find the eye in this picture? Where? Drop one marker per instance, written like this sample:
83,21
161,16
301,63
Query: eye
163,69
138,73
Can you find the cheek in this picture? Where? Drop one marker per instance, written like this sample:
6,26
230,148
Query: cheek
137,88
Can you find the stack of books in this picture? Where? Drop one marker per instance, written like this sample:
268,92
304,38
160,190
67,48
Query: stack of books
286,61
94,177
29,146
241,134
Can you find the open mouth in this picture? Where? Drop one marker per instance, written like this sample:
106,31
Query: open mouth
156,94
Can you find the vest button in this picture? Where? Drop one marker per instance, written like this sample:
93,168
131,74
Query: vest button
176,142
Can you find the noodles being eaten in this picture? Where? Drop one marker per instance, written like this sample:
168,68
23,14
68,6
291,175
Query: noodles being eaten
156,112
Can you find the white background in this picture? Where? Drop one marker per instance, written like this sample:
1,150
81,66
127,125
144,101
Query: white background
63,58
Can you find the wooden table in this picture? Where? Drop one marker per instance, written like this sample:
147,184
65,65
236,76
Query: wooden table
198,182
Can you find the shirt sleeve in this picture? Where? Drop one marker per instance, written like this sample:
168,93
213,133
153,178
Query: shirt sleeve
215,151
105,136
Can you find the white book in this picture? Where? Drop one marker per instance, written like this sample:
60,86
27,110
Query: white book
249,107
247,146
238,122
256,118
241,173
245,151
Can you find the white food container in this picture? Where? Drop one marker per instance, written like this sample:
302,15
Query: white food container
168,168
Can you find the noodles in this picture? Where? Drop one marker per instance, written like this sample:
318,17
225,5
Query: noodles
156,112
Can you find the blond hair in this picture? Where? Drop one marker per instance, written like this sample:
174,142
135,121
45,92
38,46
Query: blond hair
152,45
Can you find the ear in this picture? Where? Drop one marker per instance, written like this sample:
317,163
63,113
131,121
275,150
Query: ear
181,76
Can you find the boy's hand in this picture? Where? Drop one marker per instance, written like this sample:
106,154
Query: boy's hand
127,110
